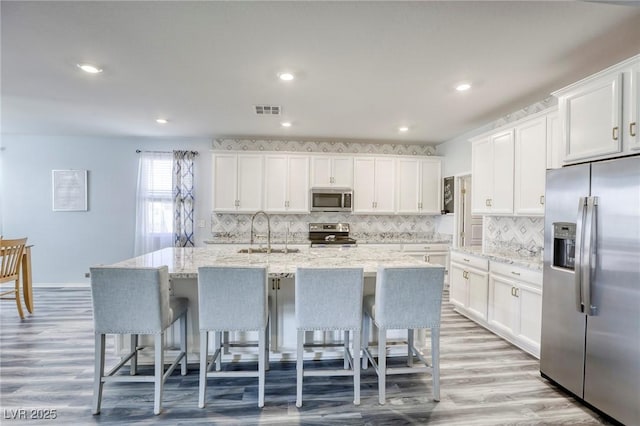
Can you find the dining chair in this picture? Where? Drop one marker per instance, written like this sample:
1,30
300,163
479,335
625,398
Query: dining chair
232,299
406,298
11,252
135,301
329,299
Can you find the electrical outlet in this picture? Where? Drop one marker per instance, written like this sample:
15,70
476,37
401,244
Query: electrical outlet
87,275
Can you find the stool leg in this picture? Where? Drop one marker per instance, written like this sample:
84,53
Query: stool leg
267,346
410,347
299,366
356,366
217,345
18,300
435,362
134,360
159,371
346,349
99,372
204,351
382,364
365,339
183,343
261,367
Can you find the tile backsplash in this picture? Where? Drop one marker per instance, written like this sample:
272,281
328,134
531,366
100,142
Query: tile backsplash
524,235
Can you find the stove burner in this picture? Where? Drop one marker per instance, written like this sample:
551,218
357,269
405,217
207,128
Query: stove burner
330,234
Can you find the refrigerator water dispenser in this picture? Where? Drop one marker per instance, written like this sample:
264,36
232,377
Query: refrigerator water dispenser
564,245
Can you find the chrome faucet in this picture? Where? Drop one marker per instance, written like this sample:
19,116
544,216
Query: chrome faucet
268,229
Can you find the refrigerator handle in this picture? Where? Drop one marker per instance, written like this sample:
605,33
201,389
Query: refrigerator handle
577,270
589,260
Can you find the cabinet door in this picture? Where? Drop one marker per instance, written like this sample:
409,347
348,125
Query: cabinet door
430,186
482,175
225,172
530,167
530,316
437,258
285,318
342,171
250,175
458,286
363,185
555,148
408,180
501,304
502,199
385,187
275,183
632,108
592,118
298,185
321,171
478,294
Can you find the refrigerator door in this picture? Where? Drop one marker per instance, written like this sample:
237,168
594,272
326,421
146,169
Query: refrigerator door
563,325
612,365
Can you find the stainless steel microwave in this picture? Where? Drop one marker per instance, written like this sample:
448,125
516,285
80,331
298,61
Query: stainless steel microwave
331,199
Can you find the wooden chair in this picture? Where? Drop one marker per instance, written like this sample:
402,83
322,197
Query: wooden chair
11,252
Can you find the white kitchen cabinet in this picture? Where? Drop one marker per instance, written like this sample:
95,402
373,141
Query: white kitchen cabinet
374,185
418,183
515,305
237,182
492,163
530,167
282,297
436,254
468,287
286,182
555,147
599,114
331,171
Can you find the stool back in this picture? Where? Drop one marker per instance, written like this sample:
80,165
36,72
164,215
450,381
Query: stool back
11,258
408,297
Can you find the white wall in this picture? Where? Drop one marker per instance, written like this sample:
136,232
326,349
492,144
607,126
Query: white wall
66,244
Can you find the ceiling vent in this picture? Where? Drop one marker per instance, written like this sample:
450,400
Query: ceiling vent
268,110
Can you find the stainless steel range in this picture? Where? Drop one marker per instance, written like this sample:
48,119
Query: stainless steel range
330,235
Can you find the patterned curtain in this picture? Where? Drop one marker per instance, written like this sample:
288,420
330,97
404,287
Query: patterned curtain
183,198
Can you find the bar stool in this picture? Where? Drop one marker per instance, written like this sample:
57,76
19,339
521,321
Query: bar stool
11,253
135,301
329,299
232,299
406,298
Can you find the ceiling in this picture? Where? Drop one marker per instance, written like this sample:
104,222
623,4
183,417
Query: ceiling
362,68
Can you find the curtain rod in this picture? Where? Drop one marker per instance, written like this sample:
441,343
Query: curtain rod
162,152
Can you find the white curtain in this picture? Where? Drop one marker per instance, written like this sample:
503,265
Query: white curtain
154,203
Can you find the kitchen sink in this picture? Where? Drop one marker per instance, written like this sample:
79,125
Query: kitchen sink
264,250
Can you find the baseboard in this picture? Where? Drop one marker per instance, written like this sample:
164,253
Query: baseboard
58,285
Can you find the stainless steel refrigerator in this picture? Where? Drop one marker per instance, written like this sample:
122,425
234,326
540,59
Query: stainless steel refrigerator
591,286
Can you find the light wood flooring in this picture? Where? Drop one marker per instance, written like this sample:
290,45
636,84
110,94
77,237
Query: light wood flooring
46,362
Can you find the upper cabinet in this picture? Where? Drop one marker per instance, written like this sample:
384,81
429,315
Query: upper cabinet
492,170
286,184
374,185
419,186
237,182
530,164
331,171
599,114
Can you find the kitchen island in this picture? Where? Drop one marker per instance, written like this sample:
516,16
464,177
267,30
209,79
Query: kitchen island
183,264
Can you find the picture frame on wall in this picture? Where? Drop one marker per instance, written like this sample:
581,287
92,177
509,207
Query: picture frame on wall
448,191
69,190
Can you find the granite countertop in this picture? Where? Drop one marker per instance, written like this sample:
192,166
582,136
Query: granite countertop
184,262
504,256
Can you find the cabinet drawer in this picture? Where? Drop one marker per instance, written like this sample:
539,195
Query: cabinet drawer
517,273
424,247
470,260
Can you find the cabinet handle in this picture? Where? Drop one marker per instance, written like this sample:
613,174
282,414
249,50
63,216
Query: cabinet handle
273,284
614,133
515,273
486,202
466,260
490,202
278,284
465,275
516,291
632,128
428,258
542,200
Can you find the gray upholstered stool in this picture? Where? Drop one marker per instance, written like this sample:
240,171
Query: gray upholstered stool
406,298
135,301
232,299
329,299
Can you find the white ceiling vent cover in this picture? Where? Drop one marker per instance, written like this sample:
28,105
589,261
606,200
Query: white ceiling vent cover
268,109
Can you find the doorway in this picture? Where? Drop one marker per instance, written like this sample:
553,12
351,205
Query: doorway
469,226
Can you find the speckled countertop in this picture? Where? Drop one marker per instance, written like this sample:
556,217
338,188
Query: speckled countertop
510,257
184,262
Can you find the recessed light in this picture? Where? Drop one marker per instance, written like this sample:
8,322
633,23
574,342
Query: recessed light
91,69
403,129
286,76
286,124
162,121
463,87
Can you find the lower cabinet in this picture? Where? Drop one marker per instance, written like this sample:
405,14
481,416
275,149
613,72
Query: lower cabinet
468,285
436,254
515,305
283,314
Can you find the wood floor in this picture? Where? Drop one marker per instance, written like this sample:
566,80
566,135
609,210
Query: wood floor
46,363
